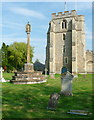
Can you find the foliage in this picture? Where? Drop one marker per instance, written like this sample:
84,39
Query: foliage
30,101
15,55
8,76
4,57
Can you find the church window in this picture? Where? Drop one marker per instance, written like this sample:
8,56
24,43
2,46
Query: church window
64,24
64,49
66,60
63,36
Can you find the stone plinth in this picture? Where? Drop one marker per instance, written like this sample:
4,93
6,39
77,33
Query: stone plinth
28,77
28,67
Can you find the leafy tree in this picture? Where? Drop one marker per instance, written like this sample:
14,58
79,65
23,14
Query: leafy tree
37,60
17,53
3,52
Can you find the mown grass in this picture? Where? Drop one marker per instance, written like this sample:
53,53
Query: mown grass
8,76
30,101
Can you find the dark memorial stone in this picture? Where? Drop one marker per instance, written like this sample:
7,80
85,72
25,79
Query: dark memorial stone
54,97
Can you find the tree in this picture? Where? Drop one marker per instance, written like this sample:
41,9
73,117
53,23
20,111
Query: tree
17,53
3,52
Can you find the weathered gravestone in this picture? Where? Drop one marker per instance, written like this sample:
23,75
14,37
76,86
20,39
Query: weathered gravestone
66,82
1,75
54,97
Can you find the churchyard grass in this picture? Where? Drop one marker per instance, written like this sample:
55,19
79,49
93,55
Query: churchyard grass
30,101
8,76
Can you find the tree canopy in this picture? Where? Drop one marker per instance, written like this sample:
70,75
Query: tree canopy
15,55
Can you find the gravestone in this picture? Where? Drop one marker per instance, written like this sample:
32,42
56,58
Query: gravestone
66,82
54,97
1,75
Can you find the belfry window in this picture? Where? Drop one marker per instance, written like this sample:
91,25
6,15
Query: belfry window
64,24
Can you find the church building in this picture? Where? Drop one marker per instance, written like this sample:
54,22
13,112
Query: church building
66,45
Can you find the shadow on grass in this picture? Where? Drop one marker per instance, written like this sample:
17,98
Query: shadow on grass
30,101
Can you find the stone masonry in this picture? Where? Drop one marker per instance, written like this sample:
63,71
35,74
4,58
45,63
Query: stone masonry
66,43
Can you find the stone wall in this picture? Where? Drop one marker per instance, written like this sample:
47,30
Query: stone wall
74,43
89,61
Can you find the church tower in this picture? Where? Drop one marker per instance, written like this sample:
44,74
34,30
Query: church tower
66,43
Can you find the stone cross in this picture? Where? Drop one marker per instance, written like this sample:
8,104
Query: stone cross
28,66
28,30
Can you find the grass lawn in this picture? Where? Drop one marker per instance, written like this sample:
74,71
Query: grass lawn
8,76
30,101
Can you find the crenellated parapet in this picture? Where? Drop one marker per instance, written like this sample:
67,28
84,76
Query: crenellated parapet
89,52
70,13
89,55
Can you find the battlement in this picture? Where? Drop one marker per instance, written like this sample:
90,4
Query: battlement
89,52
72,12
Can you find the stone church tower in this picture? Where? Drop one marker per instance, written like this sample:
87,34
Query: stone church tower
66,43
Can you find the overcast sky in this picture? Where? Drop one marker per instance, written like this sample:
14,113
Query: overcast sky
15,16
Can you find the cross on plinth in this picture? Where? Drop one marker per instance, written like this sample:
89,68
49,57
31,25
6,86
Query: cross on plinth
28,66
1,75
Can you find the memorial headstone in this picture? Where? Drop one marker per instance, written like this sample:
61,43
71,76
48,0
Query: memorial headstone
1,75
66,82
54,97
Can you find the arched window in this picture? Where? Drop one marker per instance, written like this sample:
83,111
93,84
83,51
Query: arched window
64,24
66,60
